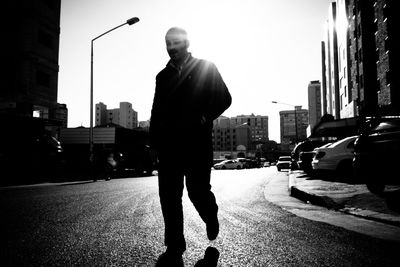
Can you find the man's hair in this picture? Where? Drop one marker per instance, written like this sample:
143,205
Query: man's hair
177,32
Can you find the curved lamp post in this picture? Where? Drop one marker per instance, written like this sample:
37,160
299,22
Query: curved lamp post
295,116
130,21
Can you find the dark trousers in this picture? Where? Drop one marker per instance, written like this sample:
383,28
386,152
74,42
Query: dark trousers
172,171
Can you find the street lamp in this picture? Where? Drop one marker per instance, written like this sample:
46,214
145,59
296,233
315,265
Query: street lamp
91,155
295,116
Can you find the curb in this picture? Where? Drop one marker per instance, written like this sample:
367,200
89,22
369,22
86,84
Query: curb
314,199
329,203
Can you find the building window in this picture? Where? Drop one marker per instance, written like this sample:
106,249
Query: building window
378,85
387,44
388,77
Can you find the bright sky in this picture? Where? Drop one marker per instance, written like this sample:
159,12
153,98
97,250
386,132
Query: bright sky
266,50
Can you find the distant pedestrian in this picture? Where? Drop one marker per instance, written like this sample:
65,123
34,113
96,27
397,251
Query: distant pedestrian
190,93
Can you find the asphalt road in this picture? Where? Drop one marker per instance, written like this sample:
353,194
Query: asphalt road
119,223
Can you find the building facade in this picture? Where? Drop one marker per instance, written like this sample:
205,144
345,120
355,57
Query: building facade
30,53
123,116
293,125
367,59
362,52
345,100
314,103
230,138
258,125
331,64
387,56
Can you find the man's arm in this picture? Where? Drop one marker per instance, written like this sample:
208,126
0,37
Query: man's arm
220,98
155,120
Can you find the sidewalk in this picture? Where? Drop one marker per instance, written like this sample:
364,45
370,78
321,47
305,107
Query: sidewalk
354,199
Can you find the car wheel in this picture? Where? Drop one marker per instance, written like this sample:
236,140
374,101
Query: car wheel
238,167
373,181
345,171
223,167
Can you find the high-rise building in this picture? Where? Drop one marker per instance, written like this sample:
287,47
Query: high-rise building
347,107
324,103
123,116
331,64
101,114
362,55
367,59
258,126
314,103
293,124
387,56
29,79
127,116
229,138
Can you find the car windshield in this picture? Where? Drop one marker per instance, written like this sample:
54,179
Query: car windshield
352,138
284,158
326,145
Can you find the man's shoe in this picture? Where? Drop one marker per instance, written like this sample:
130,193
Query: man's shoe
210,258
212,228
170,258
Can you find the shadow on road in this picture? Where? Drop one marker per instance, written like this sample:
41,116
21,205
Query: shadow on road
389,198
210,259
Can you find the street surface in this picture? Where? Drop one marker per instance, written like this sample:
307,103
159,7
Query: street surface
119,223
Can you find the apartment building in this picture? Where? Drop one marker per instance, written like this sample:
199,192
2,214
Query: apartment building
314,103
29,79
366,62
123,116
293,125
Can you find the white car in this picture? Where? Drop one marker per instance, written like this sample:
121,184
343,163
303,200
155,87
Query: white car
228,164
337,156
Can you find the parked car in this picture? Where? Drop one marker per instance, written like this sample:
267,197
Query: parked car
337,156
249,163
229,164
244,163
376,155
283,163
303,153
266,164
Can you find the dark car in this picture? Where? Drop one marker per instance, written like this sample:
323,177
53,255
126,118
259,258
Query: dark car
376,155
283,163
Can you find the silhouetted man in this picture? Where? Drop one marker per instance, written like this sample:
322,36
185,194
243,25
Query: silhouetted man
190,93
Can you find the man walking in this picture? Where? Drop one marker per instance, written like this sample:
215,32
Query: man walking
190,93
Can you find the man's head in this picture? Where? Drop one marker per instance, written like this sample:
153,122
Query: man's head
177,44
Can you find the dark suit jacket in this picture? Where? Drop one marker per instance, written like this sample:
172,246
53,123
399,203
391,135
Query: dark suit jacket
181,99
